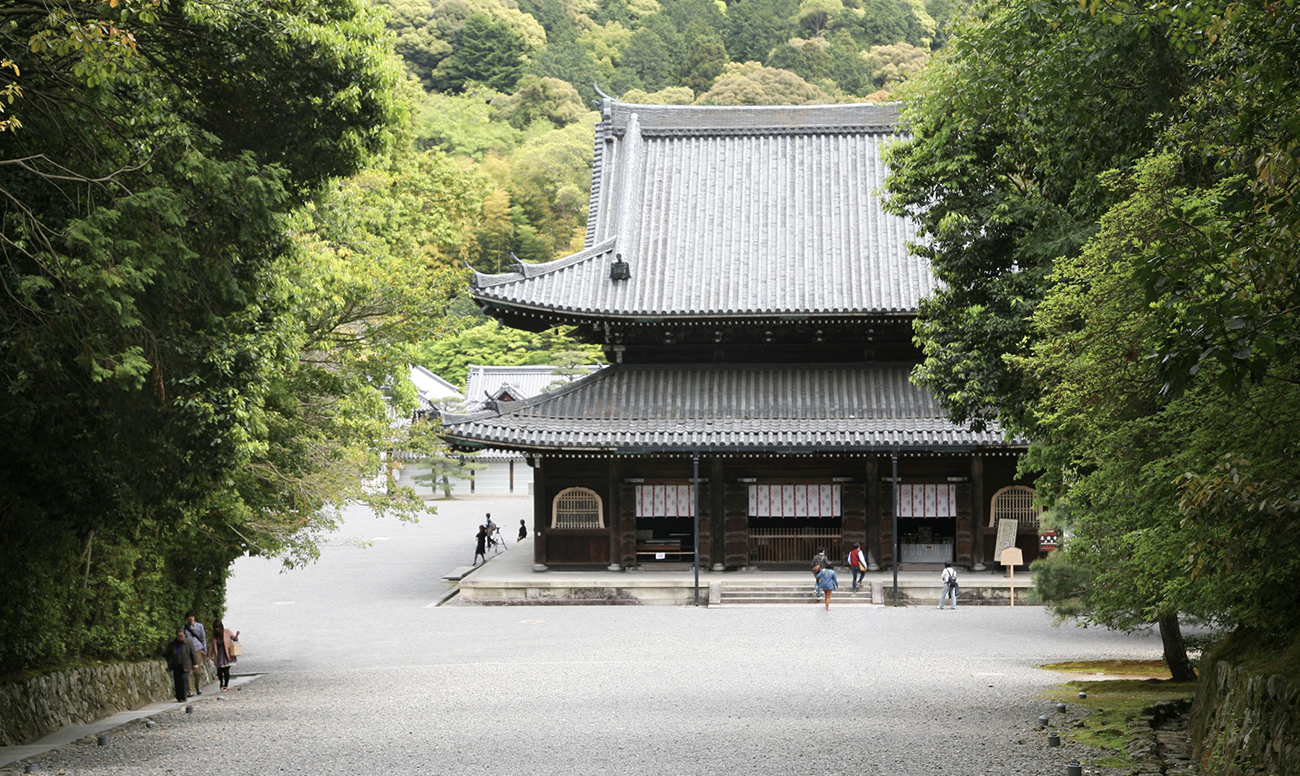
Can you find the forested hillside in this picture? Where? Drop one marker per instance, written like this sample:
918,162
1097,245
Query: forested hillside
509,85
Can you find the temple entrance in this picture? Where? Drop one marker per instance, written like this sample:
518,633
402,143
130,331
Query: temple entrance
787,523
927,526
665,524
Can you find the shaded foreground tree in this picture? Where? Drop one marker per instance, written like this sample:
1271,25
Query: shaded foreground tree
1117,239
160,320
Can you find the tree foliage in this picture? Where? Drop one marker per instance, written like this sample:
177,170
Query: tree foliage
204,289
1108,193
488,342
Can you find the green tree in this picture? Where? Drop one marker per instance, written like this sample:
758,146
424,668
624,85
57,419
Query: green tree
548,100
755,27
650,58
485,51
1003,179
151,339
753,84
703,63
488,342
890,66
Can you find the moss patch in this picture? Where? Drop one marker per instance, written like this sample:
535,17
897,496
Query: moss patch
1155,669
1114,703
1263,654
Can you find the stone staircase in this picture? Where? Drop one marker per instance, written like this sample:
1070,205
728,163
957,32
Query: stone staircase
770,595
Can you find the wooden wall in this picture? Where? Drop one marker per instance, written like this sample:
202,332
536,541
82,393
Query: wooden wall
724,501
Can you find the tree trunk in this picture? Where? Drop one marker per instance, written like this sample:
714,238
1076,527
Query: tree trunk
1171,635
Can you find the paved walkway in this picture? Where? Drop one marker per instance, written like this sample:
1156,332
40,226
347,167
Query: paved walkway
72,733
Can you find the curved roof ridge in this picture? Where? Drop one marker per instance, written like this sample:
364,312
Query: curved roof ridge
487,280
683,119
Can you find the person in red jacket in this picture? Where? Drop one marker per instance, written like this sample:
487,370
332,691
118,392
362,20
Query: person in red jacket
858,562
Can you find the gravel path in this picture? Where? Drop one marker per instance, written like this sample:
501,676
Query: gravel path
394,687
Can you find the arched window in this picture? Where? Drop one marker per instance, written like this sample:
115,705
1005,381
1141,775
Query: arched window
577,508
1015,502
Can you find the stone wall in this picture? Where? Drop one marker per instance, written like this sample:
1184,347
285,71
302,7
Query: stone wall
1245,724
35,707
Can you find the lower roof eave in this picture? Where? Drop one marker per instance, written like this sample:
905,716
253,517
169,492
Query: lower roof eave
739,451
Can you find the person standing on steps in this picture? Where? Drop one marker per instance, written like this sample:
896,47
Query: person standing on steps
826,582
949,579
819,560
199,638
523,530
858,562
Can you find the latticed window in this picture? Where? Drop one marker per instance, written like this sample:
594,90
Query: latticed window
577,508
1015,502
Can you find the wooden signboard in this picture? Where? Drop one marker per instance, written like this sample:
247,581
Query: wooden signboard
1012,557
1006,537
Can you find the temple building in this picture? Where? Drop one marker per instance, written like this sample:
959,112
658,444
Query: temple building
755,303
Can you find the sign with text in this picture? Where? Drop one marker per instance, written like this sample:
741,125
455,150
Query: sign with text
1006,537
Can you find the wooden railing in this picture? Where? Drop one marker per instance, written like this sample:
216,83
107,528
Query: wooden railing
793,545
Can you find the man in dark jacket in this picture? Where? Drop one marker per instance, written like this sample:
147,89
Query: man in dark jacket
181,659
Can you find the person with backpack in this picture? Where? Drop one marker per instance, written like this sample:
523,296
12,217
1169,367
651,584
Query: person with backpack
858,562
950,589
819,560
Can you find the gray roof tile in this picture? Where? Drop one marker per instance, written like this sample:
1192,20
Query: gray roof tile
830,408
724,212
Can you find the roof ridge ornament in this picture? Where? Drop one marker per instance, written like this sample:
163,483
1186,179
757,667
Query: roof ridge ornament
619,269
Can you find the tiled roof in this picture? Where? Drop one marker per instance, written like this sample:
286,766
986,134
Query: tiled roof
523,382
430,388
831,408
733,211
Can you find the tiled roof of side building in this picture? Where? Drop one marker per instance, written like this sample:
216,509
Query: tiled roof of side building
831,408
733,211
523,382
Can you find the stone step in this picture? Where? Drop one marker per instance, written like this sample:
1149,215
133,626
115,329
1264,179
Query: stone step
786,594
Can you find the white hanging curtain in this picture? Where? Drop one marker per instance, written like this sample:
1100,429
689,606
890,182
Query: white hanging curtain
794,501
665,501
927,500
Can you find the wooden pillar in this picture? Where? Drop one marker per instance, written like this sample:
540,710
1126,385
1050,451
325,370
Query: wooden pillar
717,524
887,517
512,475
854,520
964,528
541,513
614,513
978,517
873,512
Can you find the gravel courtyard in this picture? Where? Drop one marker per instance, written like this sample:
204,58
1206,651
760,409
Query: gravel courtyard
359,674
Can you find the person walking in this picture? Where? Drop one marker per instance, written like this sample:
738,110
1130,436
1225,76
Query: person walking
523,530
181,660
480,548
819,560
223,652
827,581
950,589
858,562
199,638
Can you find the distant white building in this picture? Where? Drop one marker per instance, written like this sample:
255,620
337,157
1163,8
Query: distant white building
507,473
432,388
